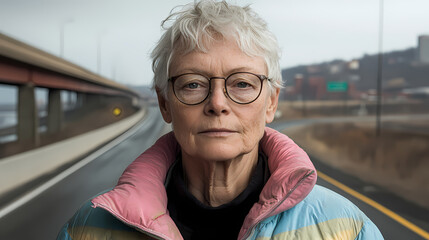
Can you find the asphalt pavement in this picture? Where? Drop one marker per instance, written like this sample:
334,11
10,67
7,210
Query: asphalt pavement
43,216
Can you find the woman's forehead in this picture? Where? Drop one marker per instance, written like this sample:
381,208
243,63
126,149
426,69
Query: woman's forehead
219,57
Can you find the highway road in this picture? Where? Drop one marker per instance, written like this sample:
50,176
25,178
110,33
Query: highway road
391,122
43,216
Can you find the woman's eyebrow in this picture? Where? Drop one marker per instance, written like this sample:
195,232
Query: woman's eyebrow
240,69
192,70
207,73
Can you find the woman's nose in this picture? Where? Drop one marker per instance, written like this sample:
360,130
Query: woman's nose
218,99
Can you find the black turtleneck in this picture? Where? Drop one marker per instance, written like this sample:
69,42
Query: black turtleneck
198,221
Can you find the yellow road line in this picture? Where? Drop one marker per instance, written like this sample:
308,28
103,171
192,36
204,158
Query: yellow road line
376,205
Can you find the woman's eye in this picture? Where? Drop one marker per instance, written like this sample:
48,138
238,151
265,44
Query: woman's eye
192,85
243,85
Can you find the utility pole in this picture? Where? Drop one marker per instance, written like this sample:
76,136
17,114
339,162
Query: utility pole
380,71
99,36
63,24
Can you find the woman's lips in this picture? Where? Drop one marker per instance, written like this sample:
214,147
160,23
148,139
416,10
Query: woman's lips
217,132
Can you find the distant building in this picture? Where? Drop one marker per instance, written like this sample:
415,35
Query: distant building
423,49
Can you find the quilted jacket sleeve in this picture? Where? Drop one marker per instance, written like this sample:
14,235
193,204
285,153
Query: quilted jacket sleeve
95,223
369,231
63,234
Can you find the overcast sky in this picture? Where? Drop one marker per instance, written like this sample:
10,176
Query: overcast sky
309,31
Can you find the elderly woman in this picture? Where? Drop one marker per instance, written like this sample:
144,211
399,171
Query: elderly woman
221,174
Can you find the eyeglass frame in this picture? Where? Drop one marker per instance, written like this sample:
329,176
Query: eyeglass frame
260,76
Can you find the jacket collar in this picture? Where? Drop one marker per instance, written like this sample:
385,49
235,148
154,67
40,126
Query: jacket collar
140,199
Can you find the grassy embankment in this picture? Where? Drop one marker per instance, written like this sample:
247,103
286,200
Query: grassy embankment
397,160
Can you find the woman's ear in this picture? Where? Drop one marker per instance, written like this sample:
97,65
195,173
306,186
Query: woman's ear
273,101
163,106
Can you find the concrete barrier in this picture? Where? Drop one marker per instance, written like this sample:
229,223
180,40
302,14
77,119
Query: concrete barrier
22,168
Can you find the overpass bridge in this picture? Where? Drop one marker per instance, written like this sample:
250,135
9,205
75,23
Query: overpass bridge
41,145
28,68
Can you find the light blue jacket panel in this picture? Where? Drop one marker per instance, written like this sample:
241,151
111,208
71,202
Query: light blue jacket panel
323,214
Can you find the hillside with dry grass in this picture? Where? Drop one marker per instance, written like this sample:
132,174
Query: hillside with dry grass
398,159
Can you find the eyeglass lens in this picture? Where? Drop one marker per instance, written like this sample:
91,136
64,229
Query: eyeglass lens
240,87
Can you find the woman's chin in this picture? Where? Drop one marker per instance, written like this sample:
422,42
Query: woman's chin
219,152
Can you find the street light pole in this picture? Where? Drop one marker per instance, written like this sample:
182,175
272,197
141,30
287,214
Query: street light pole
99,51
63,24
380,71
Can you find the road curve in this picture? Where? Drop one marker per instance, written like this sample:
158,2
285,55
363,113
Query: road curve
43,216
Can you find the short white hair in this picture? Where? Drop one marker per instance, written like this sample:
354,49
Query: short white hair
196,24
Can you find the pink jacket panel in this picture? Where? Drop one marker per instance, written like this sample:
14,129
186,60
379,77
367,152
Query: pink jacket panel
140,198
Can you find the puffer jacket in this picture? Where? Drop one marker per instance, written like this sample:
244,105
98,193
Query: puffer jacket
290,206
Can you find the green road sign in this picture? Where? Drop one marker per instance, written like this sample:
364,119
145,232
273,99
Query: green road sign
336,86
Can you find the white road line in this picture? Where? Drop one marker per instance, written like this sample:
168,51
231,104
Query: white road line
37,191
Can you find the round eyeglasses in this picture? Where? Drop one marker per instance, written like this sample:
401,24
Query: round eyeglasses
240,87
